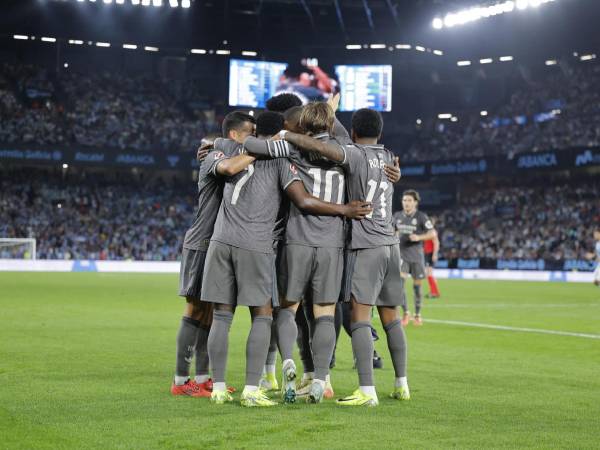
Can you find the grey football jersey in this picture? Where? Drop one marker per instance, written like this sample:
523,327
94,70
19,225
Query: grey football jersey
326,181
251,203
417,223
210,192
367,181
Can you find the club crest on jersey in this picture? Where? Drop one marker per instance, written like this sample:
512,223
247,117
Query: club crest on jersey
414,221
219,155
293,169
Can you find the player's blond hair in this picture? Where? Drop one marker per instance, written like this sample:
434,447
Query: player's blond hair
317,118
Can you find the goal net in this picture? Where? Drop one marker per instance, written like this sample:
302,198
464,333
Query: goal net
17,248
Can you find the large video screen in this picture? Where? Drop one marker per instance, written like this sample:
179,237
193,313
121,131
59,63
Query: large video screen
252,83
365,87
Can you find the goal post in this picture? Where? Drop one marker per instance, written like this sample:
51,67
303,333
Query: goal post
18,248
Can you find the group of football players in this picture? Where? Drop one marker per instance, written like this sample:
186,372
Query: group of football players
295,211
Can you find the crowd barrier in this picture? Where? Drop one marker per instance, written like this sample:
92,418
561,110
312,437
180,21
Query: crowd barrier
49,265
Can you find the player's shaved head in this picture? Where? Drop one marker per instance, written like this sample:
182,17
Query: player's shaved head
238,123
367,123
283,102
269,123
292,119
317,118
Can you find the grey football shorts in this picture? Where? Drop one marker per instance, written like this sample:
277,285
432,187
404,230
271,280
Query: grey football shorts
372,276
416,269
190,272
236,276
312,271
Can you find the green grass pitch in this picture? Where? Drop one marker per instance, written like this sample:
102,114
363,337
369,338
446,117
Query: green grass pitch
86,361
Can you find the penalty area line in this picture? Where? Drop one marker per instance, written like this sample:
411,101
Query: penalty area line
518,329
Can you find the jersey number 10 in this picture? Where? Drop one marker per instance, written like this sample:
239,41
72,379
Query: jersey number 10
329,174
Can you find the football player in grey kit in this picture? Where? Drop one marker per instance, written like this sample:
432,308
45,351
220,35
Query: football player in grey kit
313,256
240,263
195,324
413,227
373,271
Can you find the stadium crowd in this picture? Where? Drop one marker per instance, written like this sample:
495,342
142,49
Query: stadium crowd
91,217
116,110
545,222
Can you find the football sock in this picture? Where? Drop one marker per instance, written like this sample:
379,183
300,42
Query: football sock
418,298
218,343
287,331
396,340
322,344
202,364
401,382
369,390
201,379
303,341
362,346
272,354
186,343
433,287
257,347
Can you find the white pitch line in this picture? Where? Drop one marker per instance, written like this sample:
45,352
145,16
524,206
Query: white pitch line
505,328
511,305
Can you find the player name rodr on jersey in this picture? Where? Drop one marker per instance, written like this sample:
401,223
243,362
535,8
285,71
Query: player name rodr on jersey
367,181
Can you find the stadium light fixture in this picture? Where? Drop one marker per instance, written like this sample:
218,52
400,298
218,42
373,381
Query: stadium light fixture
377,46
419,48
145,2
353,47
157,3
419,121
135,2
21,37
48,39
475,13
130,46
506,58
223,52
445,116
185,3
453,119
463,63
107,1
551,62
93,1
438,52
198,51
173,3
151,49
65,166
403,46
587,57
249,53
75,42
120,2
102,44
483,113
486,61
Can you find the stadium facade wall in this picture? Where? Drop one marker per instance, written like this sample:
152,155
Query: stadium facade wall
49,265
573,158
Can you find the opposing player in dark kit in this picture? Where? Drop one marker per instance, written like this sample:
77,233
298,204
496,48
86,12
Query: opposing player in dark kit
413,227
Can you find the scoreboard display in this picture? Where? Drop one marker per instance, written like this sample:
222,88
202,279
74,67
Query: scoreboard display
252,83
365,86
